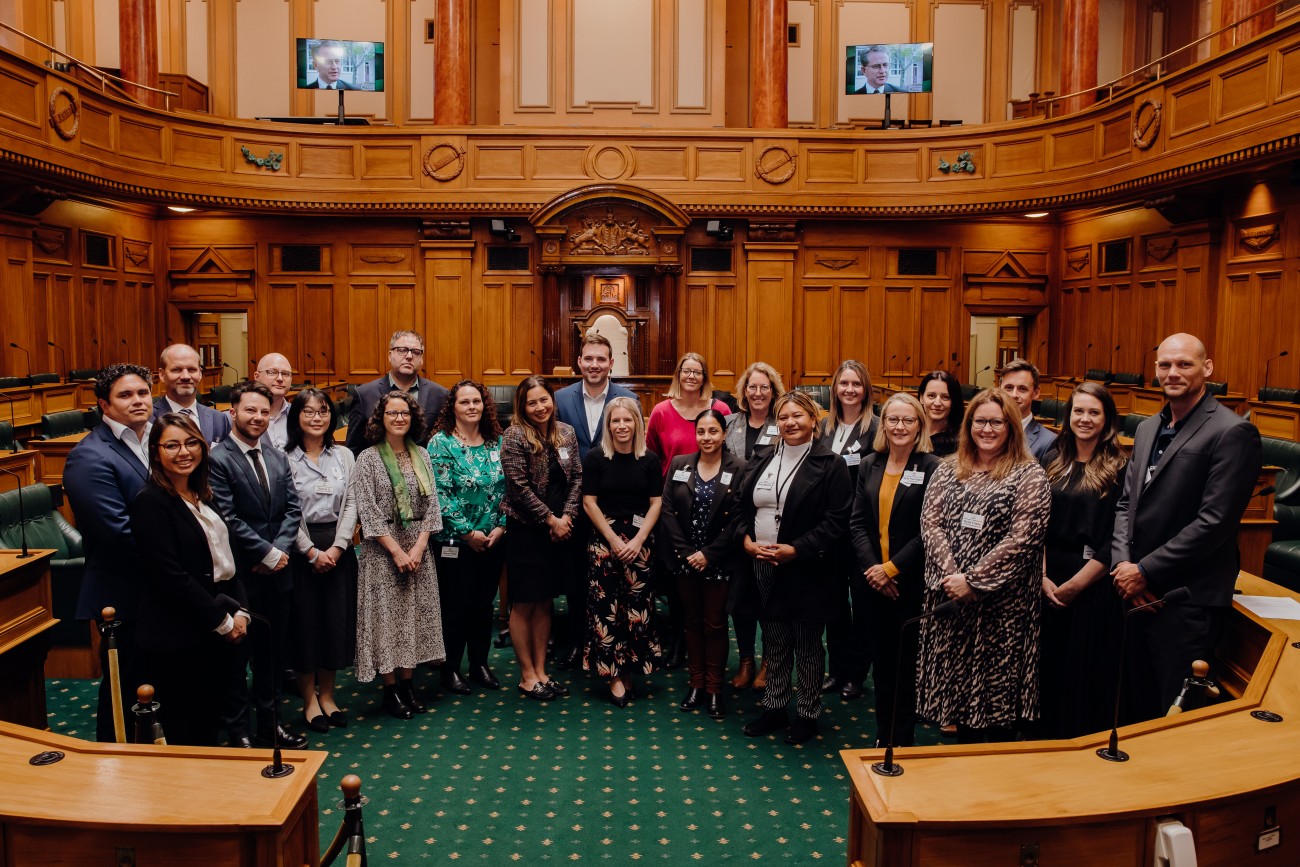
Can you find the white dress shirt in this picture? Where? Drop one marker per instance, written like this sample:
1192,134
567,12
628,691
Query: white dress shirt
223,558
595,407
139,446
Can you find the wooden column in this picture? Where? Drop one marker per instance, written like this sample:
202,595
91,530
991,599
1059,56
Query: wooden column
139,46
1078,52
768,64
451,63
1237,10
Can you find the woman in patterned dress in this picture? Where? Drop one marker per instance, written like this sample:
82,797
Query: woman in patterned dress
983,524
398,624
469,550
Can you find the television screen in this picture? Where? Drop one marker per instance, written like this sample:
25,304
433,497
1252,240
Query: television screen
340,64
898,67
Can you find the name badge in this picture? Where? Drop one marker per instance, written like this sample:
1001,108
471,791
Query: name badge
913,477
682,476
450,552
1088,553
855,446
764,441
726,478
494,457
564,454
972,521
324,488
765,483
852,459
771,430
638,521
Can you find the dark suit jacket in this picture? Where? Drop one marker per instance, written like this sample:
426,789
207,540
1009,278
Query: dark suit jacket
888,88
571,409
181,605
905,548
214,424
256,523
811,587
1180,526
674,529
431,397
101,478
1038,439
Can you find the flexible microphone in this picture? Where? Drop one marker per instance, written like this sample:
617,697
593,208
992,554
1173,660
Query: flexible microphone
277,768
312,359
28,357
1264,491
229,367
902,374
1143,365
1111,752
889,767
1112,356
98,355
22,518
324,361
13,426
1085,356
62,355
1283,354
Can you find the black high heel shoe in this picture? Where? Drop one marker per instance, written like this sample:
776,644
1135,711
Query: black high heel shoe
619,700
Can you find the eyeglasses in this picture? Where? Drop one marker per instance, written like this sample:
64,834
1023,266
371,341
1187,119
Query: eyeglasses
690,374
315,413
990,423
407,350
171,447
759,389
397,413
277,374
900,421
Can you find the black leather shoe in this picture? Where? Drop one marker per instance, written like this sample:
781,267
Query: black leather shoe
502,639
452,682
767,722
716,708
691,701
287,739
677,658
559,689
539,692
406,691
619,700
569,660
483,676
241,742
831,683
802,729
318,723
394,705
851,690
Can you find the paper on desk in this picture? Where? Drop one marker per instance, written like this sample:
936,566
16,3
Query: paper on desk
1272,607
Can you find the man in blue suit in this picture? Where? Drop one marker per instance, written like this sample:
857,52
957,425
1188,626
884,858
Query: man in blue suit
181,375
582,405
103,474
255,493
1020,382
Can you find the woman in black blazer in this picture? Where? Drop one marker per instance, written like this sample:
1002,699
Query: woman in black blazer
192,611
886,532
794,516
696,543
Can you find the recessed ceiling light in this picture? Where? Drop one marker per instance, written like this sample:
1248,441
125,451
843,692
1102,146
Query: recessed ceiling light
1037,215
180,210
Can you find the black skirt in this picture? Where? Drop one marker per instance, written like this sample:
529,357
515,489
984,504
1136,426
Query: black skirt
324,608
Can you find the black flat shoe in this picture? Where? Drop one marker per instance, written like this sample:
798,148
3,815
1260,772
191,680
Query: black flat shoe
802,729
691,701
452,682
569,660
318,723
767,722
716,708
285,737
539,692
406,690
560,690
338,720
851,690
483,676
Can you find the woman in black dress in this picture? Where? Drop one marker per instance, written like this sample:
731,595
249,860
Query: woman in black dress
940,395
539,455
621,488
1081,613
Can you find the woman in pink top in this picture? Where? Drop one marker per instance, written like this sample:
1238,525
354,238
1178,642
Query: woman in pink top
671,429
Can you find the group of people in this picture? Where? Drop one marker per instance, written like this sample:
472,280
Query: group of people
851,524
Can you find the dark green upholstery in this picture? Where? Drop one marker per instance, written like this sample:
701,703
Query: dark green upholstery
61,424
1282,559
1097,374
6,436
1280,395
819,393
14,381
1131,422
1051,408
1127,379
46,528
1218,389
42,378
81,374
92,417
504,398
221,393
968,391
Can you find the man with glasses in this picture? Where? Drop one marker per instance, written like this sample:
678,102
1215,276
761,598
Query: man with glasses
276,373
405,359
1020,382
182,376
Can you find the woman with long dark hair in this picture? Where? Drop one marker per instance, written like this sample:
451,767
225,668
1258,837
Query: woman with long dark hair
940,396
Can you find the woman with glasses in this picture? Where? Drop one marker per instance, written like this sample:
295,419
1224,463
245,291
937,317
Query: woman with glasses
983,524
470,550
751,435
399,623
193,608
886,532
323,616
940,395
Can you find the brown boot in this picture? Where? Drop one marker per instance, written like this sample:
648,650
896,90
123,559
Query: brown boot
760,680
745,676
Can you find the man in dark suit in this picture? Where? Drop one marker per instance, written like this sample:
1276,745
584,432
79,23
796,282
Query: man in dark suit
103,474
1193,470
327,60
405,357
1020,382
873,66
181,375
254,492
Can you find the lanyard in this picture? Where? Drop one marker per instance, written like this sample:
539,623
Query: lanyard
780,485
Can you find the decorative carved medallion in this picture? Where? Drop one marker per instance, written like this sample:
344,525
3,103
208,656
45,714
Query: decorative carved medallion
51,242
445,230
1146,123
1078,261
1161,249
550,248
776,164
444,162
65,114
964,164
1259,238
610,236
836,264
773,232
136,252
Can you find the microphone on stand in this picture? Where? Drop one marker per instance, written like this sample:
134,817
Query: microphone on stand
902,374
312,359
1041,344
13,425
126,348
1283,354
1085,358
1111,752
1143,366
22,518
889,767
1112,357
229,367
98,354
62,355
983,369
26,355
277,768
325,361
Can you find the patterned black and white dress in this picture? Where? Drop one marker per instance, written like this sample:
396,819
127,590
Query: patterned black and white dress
979,668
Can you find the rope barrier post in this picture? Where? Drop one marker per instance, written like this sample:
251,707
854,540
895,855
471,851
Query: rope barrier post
147,728
108,629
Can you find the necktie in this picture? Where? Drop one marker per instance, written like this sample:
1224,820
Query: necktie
261,473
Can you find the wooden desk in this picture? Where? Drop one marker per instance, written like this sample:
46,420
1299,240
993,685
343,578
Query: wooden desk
26,616
53,456
1276,419
21,462
201,807
33,401
1217,769
1147,400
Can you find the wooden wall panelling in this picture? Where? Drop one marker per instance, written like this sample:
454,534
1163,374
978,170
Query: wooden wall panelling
16,313
769,305
316,331
277,323
823,330
939,340
448,300
364,320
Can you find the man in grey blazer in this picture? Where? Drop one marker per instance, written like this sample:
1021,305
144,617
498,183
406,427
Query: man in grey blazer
405,359
182,374
1020,382
254,492
1193,470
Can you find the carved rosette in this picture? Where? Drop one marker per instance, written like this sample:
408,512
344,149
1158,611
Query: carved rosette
1146,123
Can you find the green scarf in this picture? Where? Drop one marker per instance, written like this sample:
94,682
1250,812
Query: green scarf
405,514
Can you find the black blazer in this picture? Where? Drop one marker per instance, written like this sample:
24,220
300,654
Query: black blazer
858,443
811,587
906,550
430,396
181,605
675,514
